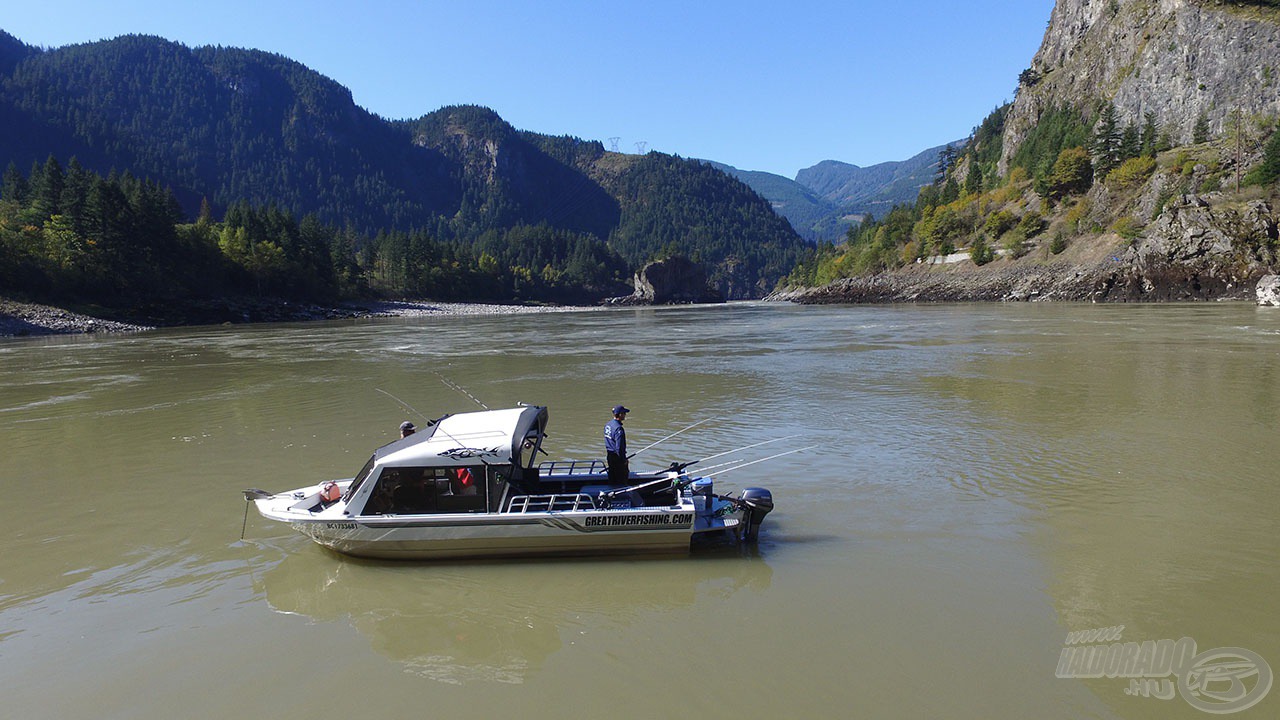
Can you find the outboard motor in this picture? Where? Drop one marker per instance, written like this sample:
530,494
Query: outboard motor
756,503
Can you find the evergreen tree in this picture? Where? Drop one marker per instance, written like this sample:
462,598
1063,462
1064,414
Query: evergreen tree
205,217
75,196
15,188
47,194
1107,141
1200,131
950,191
1150,134
946,158
1268,171
973,182
1130,142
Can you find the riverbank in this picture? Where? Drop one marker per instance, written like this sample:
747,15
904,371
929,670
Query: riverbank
24,319
1185,256
1055,281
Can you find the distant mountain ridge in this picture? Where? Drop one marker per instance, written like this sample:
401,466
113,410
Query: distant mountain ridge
825,200
231,125
811,215
874,189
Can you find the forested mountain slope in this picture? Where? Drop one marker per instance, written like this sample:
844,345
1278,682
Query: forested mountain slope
242,126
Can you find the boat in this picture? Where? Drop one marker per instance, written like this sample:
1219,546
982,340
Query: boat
468,485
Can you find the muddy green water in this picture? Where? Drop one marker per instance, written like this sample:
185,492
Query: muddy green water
990,478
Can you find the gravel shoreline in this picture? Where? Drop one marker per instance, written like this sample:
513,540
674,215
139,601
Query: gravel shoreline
23,319
20,319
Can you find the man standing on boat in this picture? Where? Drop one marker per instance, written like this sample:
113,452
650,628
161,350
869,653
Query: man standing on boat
615,446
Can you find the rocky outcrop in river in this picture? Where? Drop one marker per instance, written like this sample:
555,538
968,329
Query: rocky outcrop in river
673,281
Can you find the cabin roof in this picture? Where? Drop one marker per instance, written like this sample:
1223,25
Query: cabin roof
490,436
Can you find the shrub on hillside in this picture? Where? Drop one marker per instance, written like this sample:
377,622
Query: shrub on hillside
1015,243
1072,173
999,223
980,252
1127,227
1031,225
1131,173
1059,242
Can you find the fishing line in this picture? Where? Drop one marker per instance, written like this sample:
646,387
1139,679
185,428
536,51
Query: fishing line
459,388
407,406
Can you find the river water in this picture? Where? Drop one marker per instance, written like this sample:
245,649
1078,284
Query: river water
988,479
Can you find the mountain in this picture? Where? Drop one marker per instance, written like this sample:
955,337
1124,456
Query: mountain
873,189
1179,62
825,200
1140,161
228,125
812,216
12,51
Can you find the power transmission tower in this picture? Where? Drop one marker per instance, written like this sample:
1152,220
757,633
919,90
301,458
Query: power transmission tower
642,147
613,143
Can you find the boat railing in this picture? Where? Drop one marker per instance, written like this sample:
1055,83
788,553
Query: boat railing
571,467
551,503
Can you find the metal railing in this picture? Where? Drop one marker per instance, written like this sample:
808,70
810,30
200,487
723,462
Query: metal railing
571,467
551,503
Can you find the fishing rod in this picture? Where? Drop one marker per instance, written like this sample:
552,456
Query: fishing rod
677,483
744,447
680,469
680,466
753,462
669,437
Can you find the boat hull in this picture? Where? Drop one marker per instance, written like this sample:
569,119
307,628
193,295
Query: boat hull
640,531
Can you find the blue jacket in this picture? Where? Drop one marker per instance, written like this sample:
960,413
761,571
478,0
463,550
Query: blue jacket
615,438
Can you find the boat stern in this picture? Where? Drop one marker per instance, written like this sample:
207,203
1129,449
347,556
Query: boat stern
742,515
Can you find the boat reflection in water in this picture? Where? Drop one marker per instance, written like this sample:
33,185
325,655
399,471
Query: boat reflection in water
500,621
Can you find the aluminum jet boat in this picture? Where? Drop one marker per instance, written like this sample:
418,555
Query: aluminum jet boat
467,486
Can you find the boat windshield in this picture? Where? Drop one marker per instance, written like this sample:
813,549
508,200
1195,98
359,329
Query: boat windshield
360,478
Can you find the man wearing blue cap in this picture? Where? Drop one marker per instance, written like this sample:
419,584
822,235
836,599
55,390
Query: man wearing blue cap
615,446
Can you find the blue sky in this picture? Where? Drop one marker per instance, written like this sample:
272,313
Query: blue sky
769,86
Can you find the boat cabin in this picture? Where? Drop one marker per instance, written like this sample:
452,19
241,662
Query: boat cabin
464,463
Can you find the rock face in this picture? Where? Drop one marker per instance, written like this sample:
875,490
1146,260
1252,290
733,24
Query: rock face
1194,251
674,281
1180,60
1268,290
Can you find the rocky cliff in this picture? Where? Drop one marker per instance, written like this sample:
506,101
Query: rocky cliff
1181,60
673,281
